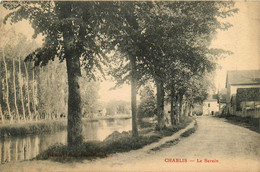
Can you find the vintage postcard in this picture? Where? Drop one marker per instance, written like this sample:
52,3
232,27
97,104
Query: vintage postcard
129,86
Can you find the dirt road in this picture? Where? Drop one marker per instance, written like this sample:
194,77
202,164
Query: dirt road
215,146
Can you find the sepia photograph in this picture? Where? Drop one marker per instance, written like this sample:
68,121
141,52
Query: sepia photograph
129,86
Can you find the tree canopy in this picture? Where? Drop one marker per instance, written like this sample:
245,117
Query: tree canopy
167,42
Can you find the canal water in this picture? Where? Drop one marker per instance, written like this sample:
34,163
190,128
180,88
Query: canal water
24,148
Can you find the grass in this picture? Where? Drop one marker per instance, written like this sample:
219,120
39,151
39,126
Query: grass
247,122
93,150
166,145
114,143
175,141
22,129
190,131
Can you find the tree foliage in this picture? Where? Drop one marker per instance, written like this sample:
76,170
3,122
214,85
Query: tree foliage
166,42
147,106
73,31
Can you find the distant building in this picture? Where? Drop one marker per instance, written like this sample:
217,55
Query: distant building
235,80
211,106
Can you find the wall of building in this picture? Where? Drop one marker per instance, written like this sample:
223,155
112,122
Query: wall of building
214,107
249,113
231,91
235,87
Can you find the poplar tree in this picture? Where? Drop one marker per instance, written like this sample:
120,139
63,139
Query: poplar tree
72,32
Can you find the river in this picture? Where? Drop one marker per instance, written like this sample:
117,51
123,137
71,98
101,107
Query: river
24,148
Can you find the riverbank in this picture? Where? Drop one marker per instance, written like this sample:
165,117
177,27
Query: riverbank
247,122
45,126
33,127
212,140
107,118
114,143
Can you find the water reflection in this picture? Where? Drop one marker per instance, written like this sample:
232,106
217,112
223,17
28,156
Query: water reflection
23,148
99,130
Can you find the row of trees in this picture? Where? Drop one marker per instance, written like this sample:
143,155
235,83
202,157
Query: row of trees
23,94
16,77
117,108
164,42
31,93
168,43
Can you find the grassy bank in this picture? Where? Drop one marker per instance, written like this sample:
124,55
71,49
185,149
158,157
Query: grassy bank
247,122
22,129
107,118
175,141
44,126
114,143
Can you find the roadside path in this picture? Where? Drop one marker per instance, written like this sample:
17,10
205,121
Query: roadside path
230,147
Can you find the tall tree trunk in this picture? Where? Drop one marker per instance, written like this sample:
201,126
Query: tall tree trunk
160,104
180,107
2,115
74,100
28,93
15,99
7,87
21,87
176,110
48,84
1,96
74,72
39,83
133,98
172,109
190,110
185,109
34,96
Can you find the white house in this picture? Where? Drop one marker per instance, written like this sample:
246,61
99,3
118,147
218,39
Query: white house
210,106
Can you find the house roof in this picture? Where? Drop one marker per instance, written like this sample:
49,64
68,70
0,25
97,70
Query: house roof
243,77
212,98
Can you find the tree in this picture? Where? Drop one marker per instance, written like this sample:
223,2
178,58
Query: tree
72,33
116,107
155,34
52,90
181,31
4,44
129,40
14,46
89,92
147,106
176,77
125,69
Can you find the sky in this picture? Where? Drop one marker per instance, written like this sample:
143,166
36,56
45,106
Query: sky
243,39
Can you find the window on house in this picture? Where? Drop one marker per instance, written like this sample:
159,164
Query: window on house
208,104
